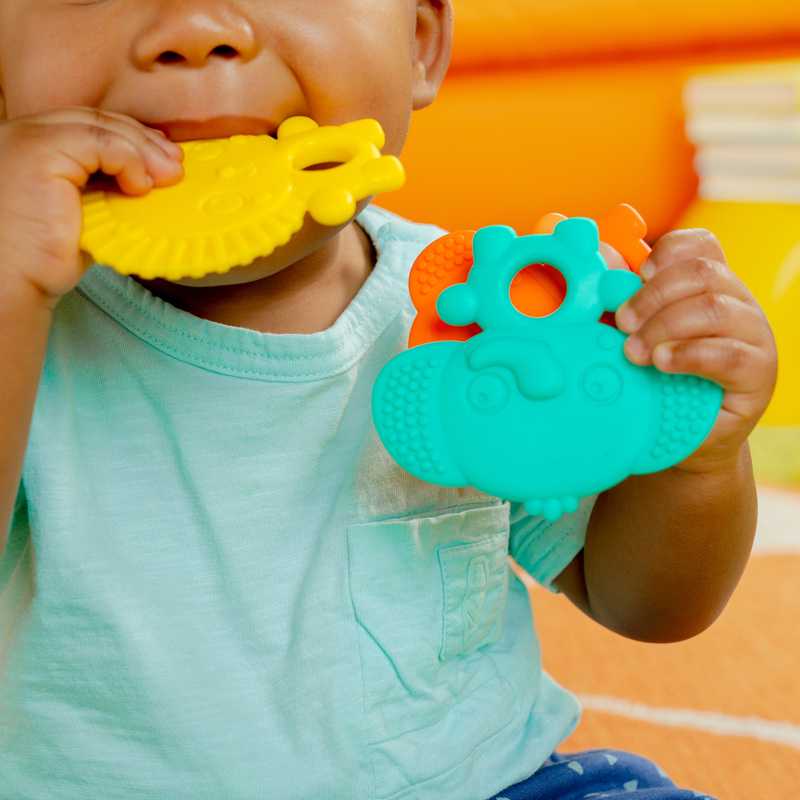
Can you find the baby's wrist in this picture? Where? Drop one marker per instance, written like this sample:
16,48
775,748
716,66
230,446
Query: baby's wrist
722,462
21,291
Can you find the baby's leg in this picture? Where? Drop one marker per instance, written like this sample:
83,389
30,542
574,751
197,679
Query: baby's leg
595,774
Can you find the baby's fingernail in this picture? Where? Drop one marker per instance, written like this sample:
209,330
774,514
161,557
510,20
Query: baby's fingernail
636,350
168,161
626,319
175,150
647,270
662,357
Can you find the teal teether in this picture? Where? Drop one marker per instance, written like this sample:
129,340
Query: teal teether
545,410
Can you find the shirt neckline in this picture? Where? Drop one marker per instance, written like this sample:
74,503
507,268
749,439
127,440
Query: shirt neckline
251,354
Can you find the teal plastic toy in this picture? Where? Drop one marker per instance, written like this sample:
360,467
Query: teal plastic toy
545,410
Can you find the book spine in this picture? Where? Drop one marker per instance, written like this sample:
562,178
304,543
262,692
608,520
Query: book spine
743,129
749,190
742,98
755,160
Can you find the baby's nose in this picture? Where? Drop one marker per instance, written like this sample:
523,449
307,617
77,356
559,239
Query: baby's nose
194,35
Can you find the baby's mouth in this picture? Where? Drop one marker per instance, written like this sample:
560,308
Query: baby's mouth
181,130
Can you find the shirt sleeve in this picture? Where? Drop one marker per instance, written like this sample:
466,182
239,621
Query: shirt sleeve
542,548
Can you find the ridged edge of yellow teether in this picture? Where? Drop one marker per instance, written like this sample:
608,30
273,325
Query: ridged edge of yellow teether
133,251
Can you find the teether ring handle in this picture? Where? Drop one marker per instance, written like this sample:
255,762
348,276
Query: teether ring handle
447,261
535,291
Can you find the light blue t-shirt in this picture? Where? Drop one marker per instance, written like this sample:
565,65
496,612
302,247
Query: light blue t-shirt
218,584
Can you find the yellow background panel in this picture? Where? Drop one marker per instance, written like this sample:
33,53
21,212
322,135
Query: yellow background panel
762,243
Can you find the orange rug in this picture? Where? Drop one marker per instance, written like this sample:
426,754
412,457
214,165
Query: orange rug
720,713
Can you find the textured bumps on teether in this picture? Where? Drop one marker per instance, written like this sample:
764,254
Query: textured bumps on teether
239,199
539,410
407,404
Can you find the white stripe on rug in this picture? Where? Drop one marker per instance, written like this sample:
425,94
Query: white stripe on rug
785,733
778,522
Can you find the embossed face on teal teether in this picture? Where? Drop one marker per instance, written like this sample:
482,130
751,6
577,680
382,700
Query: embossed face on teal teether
537,410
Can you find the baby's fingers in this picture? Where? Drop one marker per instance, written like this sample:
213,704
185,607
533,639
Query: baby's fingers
677,247
83,150
727,361
745,371
696,317
161,156
668,287
127,126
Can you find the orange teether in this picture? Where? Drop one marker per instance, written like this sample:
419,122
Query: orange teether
442,263
624,229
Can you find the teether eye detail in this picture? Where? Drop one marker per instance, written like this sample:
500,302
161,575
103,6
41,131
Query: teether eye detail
601,384
488,393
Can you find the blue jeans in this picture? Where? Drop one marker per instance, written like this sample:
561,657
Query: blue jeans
595,774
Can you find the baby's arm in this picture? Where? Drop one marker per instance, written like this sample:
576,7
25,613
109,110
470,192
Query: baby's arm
44,161
665,551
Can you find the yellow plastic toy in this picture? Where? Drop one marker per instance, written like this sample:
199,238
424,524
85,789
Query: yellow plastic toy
239,199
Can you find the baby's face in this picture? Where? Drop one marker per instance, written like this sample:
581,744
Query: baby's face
208,68
214,68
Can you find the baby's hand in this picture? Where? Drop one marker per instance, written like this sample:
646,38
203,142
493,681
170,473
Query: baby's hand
693,315
45,160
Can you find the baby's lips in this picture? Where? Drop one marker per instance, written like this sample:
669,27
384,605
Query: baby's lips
221,126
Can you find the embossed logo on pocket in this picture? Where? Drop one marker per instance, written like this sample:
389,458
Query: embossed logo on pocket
475,585
475,598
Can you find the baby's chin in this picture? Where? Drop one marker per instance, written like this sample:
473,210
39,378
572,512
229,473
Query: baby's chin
311,239
248,273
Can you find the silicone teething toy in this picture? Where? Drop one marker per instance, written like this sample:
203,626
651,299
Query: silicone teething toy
239,199
534,292
537,410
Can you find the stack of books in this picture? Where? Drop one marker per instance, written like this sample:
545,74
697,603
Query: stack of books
745,123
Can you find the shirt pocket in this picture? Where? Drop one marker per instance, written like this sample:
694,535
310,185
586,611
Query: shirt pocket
429,595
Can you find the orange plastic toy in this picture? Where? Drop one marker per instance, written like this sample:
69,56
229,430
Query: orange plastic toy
538,290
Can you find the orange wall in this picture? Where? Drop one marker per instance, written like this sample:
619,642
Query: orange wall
507,145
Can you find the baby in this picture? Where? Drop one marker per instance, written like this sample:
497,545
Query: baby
215,582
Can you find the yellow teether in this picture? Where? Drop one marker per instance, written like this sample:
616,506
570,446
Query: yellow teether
239,199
